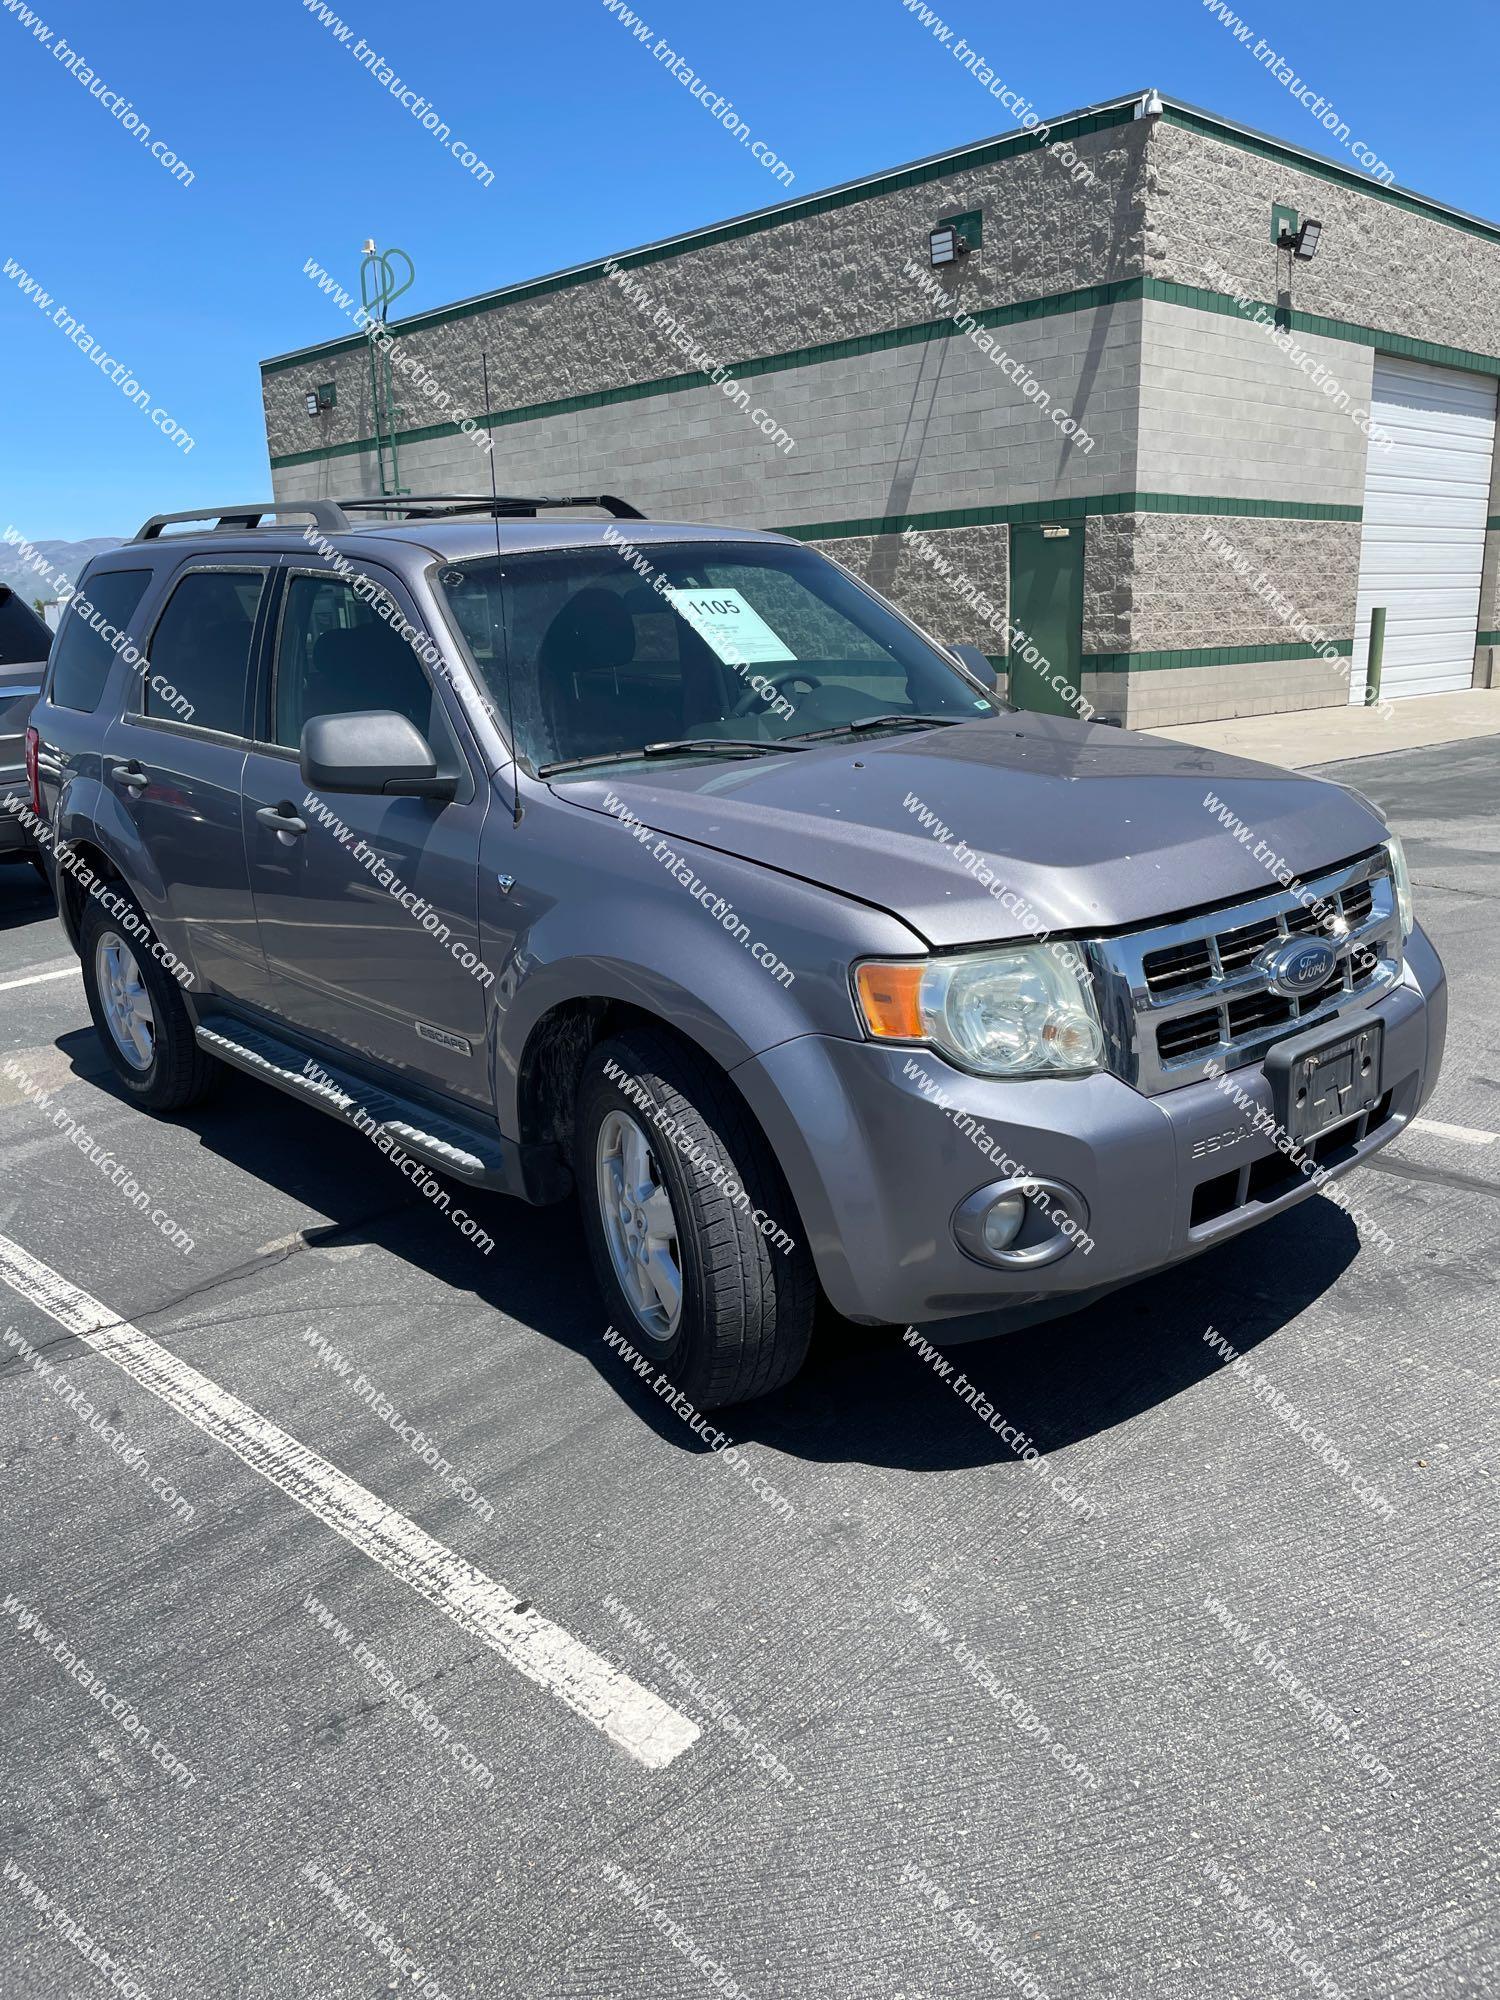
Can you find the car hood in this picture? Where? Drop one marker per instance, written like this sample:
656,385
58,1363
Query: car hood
1052,824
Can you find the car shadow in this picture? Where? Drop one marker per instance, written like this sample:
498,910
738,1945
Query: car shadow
23,899
865,1395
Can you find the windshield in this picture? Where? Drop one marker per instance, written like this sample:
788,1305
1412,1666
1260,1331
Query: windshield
610,651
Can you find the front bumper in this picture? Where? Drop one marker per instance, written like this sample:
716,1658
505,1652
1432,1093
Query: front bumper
878,1168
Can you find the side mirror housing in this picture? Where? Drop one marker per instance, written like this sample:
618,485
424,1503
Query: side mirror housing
373,750
971,658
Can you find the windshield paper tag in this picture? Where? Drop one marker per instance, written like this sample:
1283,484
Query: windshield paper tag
735,629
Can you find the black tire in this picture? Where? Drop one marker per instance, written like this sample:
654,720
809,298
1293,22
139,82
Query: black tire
178,1073
747,1303
41,868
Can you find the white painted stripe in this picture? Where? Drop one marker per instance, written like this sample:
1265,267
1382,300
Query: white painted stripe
1462,1135
640,1722
40,978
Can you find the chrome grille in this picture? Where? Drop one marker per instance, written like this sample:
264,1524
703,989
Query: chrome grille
1178,996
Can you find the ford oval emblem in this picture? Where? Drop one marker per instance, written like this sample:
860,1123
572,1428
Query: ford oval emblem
1302,965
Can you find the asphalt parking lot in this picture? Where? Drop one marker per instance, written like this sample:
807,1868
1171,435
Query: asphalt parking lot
886,1717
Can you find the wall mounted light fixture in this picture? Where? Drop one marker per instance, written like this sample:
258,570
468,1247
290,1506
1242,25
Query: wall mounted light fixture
1304,243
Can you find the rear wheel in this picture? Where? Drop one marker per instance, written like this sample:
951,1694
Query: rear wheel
139,1015
672,1175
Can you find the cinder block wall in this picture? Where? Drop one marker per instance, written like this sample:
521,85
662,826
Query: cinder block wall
904,422
1219,474
1224,412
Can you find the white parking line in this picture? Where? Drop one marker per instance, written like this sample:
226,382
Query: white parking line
640,1722
74,971
1462,1135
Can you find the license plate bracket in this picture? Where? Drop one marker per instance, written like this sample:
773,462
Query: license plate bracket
1325,1079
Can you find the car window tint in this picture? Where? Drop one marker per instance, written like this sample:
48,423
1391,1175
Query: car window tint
23,636
103,605
338,655
200,651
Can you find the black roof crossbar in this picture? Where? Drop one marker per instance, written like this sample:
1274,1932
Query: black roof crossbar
425,506
325,514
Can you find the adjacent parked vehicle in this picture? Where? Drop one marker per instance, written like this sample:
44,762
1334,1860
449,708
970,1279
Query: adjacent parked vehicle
672,867
24,642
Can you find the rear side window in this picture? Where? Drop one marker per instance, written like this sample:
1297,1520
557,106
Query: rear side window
23,636
93,631
200,650
338,655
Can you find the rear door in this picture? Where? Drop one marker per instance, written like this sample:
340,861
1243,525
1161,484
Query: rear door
172,769
368,905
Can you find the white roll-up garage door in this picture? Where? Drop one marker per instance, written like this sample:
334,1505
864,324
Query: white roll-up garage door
1422,551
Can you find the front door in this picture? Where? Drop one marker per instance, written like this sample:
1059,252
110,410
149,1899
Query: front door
1046,615
367,905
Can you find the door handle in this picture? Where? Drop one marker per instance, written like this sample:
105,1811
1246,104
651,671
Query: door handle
132,776
283,819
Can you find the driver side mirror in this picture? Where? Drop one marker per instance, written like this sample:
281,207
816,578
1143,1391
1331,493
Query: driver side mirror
374,750
971,658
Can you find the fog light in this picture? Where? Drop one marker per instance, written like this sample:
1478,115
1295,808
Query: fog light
1002,1221
1019,1225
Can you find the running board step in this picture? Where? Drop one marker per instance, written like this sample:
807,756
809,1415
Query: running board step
443,1143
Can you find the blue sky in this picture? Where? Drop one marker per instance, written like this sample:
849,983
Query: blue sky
297,152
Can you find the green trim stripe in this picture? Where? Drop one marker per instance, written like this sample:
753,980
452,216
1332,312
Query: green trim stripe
1077,508
1194,656
1487,638
1087,298
1409,348
1209,656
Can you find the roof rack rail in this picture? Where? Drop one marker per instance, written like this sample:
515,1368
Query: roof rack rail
435,506
234,520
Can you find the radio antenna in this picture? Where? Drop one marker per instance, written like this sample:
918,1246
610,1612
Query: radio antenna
510,693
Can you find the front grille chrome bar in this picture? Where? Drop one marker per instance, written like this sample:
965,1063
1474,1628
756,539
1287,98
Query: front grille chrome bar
1207,1016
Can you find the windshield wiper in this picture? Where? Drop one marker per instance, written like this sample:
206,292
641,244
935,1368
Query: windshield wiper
881,722
686,746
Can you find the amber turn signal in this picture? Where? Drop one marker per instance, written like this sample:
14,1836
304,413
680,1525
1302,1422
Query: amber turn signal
888,1000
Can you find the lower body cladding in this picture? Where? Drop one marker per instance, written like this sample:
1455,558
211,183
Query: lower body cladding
903,1168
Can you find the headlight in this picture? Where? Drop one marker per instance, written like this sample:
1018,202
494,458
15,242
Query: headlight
1025,1010
1402,881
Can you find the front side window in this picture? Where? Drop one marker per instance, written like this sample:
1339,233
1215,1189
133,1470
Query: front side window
338,655
200,650
612,649
97,614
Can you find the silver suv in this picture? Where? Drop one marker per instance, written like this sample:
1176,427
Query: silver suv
672,868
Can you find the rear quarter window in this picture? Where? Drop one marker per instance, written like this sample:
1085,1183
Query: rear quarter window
94,629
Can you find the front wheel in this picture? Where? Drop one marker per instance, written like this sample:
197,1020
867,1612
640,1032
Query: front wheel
689,1222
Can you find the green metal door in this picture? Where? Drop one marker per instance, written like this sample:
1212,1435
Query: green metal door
1046,607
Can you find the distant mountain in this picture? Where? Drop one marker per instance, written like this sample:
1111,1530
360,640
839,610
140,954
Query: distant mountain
64,560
